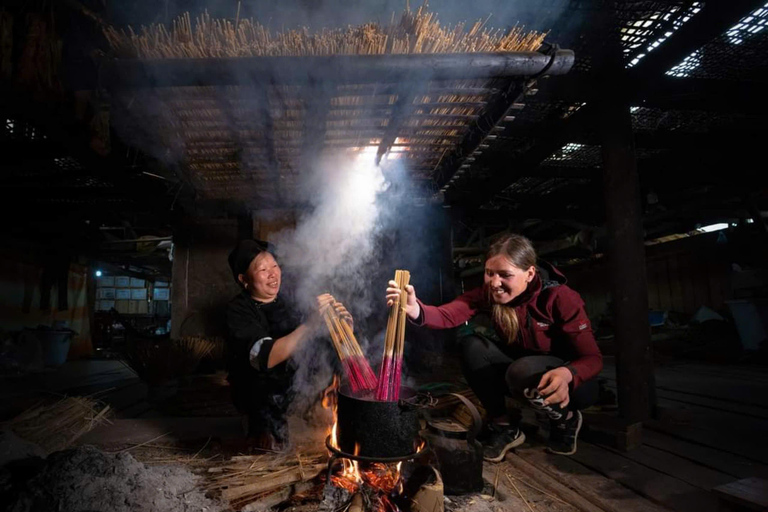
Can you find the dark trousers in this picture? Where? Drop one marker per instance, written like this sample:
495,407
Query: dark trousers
266,409
492,375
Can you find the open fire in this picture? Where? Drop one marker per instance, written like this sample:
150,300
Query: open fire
377,484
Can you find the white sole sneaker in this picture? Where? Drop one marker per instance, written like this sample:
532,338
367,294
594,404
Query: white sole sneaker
575,437
520,439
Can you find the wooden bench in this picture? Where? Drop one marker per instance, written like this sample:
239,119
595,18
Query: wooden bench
746,494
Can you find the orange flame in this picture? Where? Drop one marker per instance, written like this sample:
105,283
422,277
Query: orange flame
330,394
330,401
385,479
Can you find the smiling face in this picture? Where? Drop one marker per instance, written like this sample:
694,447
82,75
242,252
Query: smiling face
262,279
504,280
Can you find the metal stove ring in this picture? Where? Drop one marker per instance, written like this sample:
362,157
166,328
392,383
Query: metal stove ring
362,458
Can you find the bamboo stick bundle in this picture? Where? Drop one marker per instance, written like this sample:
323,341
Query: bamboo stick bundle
354,363
415,32
394,341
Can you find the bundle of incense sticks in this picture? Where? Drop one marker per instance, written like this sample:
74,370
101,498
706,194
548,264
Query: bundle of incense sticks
392,362
353,361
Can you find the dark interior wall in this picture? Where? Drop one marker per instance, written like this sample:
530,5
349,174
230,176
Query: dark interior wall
685,274
27,273
202,281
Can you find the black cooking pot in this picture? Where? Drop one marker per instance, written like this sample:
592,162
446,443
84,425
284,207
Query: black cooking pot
380,429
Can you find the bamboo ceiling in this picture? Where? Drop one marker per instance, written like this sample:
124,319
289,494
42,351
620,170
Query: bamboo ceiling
251,140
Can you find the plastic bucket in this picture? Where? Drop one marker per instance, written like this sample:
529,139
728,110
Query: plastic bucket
54,345
751,319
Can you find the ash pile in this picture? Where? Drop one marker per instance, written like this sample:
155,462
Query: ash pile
86,478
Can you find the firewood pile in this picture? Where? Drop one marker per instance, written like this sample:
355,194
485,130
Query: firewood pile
251,482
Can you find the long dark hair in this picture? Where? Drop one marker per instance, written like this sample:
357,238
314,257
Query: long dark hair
519,251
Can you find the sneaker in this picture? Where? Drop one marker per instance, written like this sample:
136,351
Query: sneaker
501,439
555,413
563,435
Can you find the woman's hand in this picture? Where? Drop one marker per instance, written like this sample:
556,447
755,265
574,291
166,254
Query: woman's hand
554,386
412,308
326,300
344,314
315,320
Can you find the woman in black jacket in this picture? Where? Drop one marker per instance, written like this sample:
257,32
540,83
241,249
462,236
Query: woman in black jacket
263,333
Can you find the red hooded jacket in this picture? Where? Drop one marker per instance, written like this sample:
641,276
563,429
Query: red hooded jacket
552,322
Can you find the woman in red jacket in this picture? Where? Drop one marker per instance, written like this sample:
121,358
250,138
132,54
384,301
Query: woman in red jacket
526,334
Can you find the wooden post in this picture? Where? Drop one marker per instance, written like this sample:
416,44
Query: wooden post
244,226
626,255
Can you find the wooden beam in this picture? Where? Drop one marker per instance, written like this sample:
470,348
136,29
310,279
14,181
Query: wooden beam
317,102
353,69
667,93
403,109
626,257
480,191
492,115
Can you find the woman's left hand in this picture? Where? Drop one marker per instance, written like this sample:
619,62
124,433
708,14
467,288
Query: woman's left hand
344,314
554,386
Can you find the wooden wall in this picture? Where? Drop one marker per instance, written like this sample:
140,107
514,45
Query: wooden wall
683,275
20,289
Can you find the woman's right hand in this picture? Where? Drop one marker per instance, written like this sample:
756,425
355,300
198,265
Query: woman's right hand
412,308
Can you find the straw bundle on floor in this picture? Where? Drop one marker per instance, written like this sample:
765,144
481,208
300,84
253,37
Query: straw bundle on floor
156,361
56,426
415,32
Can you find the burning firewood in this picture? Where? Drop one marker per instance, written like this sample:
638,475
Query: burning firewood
394,340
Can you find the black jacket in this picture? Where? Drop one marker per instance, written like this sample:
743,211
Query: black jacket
253,324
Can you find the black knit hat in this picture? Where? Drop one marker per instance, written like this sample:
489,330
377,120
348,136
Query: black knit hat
242,255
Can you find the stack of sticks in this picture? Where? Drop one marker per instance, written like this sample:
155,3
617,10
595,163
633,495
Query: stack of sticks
394,341
353,361
254,478
416,31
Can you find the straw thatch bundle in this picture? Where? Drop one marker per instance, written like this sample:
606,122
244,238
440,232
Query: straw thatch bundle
56,426
415,32
157,361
